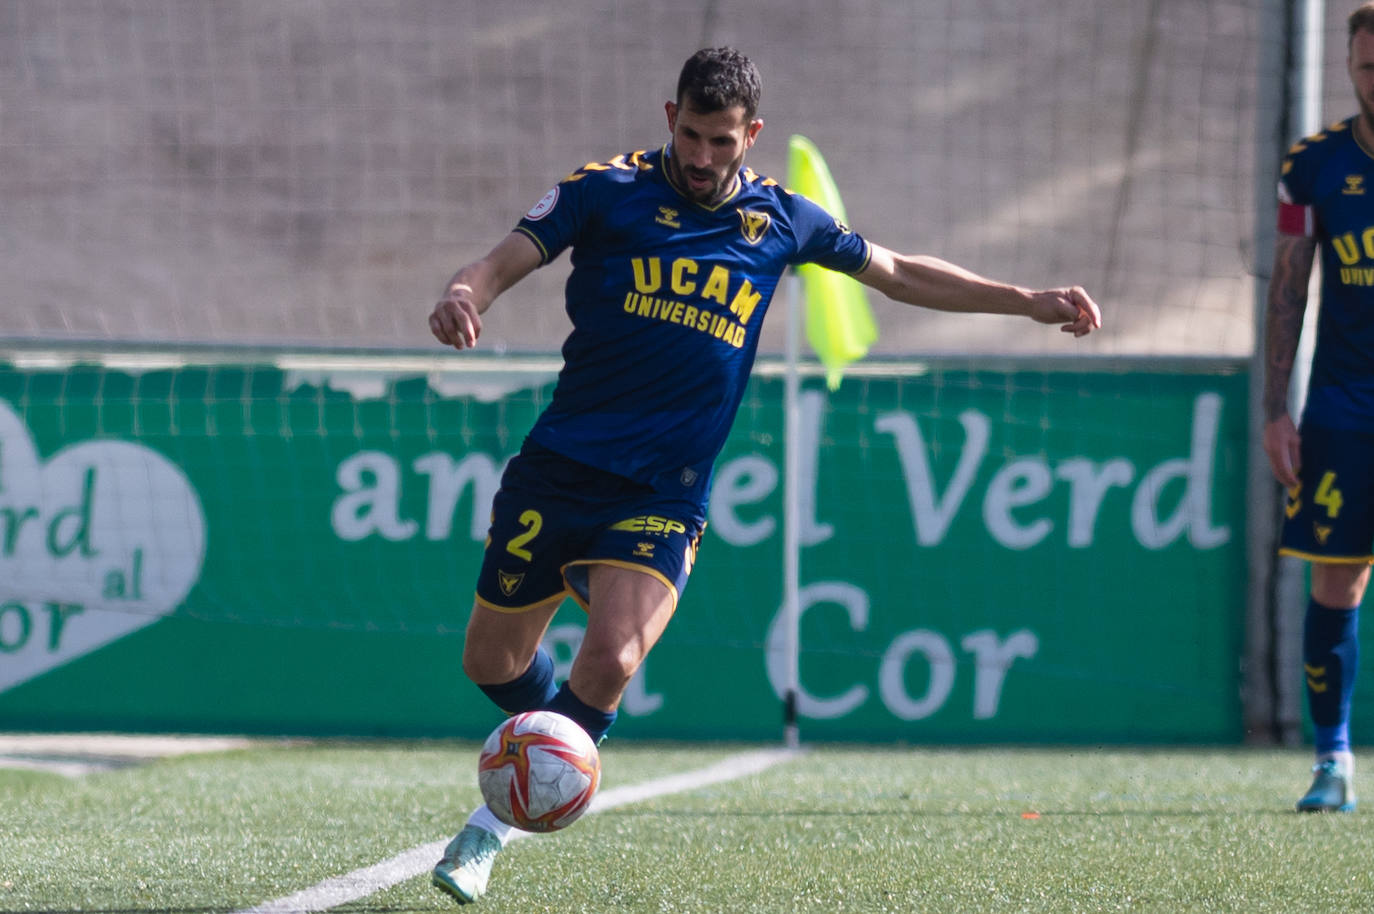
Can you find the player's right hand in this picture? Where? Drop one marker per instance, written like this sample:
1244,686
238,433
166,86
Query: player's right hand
455,320
1283,445
1072,308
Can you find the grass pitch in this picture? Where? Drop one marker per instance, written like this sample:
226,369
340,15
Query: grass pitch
835,829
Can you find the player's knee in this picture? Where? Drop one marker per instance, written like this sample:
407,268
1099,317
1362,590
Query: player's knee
487,664
611,664
473,667
1339,586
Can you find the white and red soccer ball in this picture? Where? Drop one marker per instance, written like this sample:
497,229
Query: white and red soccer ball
538,771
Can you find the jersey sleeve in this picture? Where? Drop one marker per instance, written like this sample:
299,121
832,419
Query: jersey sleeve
1296,215
560,216
823,239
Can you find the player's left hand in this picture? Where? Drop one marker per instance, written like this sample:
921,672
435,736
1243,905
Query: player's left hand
1283,446
1072,307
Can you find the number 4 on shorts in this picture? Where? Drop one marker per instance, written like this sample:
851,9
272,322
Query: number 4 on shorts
1328,496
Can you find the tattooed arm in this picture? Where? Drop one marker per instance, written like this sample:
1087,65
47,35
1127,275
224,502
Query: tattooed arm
1293,257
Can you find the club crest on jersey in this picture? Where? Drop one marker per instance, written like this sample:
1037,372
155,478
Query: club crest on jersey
544,206
754,225
509,583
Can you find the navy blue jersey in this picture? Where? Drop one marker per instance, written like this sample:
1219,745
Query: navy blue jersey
667,298
1327,191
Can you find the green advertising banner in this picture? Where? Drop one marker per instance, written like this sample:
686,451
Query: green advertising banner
1025,553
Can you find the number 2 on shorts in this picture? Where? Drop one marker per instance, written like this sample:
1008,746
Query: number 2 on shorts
532,522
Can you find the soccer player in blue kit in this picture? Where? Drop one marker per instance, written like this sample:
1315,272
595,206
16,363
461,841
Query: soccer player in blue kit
676,253
1325,194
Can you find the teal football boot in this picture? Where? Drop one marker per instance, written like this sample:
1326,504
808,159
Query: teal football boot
464,869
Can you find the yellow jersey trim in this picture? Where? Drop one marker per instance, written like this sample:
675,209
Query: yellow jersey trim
517,610
1327,559
543,251
615,563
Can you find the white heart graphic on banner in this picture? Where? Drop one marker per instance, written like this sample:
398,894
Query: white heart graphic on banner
103,539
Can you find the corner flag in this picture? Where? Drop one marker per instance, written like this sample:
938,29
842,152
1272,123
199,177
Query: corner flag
839,323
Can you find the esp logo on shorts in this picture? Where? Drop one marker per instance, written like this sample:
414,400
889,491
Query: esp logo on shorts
652,524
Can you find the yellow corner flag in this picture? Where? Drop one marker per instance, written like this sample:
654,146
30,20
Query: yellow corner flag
839,324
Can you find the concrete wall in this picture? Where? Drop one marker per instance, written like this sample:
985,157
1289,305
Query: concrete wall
312,172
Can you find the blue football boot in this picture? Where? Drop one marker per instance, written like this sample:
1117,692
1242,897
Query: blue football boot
1332,789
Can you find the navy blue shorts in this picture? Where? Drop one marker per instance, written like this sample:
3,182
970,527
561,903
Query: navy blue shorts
1329,515
553,517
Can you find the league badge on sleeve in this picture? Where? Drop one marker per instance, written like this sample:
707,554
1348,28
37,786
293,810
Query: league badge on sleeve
544,206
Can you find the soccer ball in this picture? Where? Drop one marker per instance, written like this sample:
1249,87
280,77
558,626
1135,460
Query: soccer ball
538,771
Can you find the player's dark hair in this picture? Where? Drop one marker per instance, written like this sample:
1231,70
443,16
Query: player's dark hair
1361,20
714,79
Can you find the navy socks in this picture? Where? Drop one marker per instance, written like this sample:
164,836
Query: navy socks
594,720
1331,654
532,689
535,689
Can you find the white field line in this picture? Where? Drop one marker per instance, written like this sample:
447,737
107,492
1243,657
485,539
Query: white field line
361,883
78,754
66,767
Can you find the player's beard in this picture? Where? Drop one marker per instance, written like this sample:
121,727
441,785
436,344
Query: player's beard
719,184
1366,115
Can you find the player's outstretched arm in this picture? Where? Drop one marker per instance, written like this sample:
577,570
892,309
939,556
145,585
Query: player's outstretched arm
1293,258
457,319
930,282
